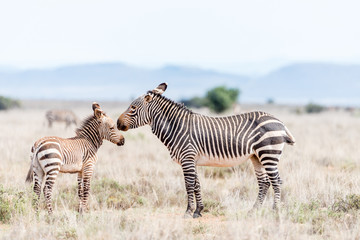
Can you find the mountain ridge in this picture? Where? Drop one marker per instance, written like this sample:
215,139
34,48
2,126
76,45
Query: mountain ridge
326,83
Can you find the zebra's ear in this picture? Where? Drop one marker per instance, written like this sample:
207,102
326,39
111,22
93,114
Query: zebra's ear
95,105
161,88
98,113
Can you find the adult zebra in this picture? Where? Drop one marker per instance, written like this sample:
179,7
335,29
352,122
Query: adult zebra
66,116
51,155
195,139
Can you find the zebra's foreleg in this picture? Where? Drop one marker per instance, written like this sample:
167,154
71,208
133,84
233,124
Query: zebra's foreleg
188,167
86,178
80,190
263,181
199,203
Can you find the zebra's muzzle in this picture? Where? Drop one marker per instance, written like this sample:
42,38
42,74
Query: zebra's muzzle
121,142
121,126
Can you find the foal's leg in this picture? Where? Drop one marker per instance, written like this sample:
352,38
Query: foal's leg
49,183
38,179
80,190
86,178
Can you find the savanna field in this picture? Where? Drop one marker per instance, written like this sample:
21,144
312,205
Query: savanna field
138,192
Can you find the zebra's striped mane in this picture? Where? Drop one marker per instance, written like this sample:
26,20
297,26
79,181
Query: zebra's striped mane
180,105
85,124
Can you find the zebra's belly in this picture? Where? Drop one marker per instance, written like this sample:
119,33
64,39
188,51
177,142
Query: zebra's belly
71,168
220,162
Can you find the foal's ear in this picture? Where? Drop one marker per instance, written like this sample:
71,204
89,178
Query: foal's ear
97,110
160,89
95,105
98,113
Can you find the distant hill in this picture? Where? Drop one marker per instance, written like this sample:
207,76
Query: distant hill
319,82
112,81
297,83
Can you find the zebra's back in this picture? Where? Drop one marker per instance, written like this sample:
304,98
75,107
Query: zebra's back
228,141
59,153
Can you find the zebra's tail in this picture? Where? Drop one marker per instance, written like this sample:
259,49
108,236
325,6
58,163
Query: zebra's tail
289,137
29,177
30,174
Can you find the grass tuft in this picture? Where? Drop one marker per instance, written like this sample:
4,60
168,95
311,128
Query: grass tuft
12,202
349,203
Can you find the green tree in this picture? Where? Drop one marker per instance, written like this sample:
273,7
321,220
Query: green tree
220,99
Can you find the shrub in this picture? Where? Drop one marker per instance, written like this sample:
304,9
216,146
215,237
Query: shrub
11,203
351,202
314,108
218,99
221,98
7,103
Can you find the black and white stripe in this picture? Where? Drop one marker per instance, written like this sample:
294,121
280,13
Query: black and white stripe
195,139
51,155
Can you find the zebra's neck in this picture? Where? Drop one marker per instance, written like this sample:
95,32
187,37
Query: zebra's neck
89,130
167,118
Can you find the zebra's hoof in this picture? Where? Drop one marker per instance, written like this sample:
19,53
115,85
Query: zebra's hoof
197,215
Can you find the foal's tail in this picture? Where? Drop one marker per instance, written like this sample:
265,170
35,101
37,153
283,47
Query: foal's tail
30,174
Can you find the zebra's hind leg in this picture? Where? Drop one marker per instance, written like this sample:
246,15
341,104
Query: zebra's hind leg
49,183
270,165
80,190
188,167
263,182
38,178
199,203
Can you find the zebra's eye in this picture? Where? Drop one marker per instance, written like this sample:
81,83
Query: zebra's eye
112,128
133,107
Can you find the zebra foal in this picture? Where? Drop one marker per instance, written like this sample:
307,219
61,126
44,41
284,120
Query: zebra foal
51,155
194,139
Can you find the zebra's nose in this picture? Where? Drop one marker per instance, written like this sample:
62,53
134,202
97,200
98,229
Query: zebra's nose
118,123
121,126
121,142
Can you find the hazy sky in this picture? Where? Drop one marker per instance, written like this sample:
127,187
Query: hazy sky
236,36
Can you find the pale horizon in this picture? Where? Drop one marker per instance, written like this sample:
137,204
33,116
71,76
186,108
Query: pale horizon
246,38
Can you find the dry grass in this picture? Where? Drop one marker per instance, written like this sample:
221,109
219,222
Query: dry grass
139,193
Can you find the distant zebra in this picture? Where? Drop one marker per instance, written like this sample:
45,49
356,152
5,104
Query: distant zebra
66,116
194,139
51,155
